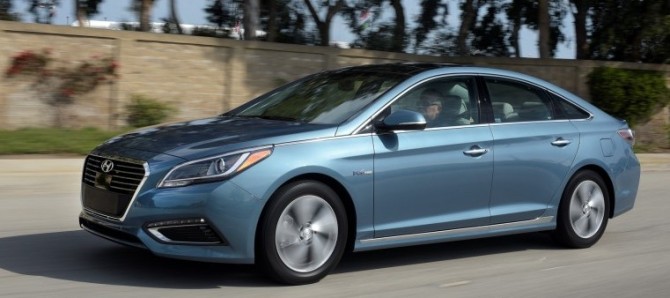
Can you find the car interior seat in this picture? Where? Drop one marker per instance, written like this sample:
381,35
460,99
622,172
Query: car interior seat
503,112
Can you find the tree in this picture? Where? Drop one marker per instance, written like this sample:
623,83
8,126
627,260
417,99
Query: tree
6,13
174,19
222,13
43,11
251,16
285,22
85,9
399,31
580,12
527,13
489,36
426,22
543,28
516,13
636,31
143,10
324,25
469,12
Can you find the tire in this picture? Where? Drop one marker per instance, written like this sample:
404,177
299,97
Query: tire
303,233
584,211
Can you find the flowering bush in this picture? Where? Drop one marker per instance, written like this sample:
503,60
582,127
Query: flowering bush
60,84
28,63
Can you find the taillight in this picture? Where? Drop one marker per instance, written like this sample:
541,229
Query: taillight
627,134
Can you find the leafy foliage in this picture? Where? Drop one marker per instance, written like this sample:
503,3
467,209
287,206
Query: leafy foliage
6,13
145,111
489,35
43,11
629,94
426,23
223,13
636,31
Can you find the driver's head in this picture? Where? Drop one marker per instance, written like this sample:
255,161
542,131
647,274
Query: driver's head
431,103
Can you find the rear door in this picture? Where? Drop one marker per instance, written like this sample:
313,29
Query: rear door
533,147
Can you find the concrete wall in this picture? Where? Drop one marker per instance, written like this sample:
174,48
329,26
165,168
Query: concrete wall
203,76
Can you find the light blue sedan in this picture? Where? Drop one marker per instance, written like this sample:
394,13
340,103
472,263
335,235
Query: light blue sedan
365,158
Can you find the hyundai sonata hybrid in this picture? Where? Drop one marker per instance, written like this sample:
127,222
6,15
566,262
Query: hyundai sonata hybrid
365,158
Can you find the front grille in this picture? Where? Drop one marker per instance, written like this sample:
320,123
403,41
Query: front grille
123,178
110,192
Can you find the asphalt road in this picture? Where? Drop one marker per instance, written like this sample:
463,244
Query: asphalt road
43,253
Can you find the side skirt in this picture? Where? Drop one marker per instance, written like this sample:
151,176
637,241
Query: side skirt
533,225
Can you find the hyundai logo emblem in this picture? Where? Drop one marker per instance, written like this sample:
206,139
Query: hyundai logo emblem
107,166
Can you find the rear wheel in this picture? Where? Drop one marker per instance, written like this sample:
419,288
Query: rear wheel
584,211
303,233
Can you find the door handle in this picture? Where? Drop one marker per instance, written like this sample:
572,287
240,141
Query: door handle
561,142
475,151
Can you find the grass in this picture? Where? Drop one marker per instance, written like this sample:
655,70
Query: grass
82,141
52,140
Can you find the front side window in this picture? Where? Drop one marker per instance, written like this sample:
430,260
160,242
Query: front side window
443,102
514,101
326,98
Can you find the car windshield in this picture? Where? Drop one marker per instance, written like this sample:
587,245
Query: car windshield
326,98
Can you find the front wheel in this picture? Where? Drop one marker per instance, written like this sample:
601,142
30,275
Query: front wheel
583,212
303,233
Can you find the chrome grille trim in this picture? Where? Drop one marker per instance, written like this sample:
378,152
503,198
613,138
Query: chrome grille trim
90,171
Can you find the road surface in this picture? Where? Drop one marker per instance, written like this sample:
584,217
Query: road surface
43,253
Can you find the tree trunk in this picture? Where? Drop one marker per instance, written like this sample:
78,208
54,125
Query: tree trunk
145,15
399,30
543,28
80,12
174,17
272,21
582,46
251,16
468,16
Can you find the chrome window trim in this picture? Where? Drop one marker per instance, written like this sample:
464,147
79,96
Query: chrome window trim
530,122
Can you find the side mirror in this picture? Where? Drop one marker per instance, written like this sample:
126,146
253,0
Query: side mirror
402,120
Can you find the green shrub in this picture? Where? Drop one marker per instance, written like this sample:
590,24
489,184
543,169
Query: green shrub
145,111
633,95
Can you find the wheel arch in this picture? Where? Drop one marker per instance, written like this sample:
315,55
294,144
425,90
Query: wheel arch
336,186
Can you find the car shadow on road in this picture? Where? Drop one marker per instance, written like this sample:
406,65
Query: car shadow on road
81,257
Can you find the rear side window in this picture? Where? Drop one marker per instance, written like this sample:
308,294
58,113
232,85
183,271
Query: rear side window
517,102
569,110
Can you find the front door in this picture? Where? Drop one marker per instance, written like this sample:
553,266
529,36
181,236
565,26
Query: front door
438,178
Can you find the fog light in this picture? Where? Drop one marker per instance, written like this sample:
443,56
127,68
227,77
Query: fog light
185,231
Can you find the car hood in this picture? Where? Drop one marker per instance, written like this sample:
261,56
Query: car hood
199,138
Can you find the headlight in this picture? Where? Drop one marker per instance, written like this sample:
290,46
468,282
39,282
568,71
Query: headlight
213,168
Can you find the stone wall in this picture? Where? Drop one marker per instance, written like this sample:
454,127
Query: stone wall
202,76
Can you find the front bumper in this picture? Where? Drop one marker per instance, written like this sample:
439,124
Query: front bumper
214,222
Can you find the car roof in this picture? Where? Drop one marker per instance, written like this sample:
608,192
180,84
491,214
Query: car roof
406,68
